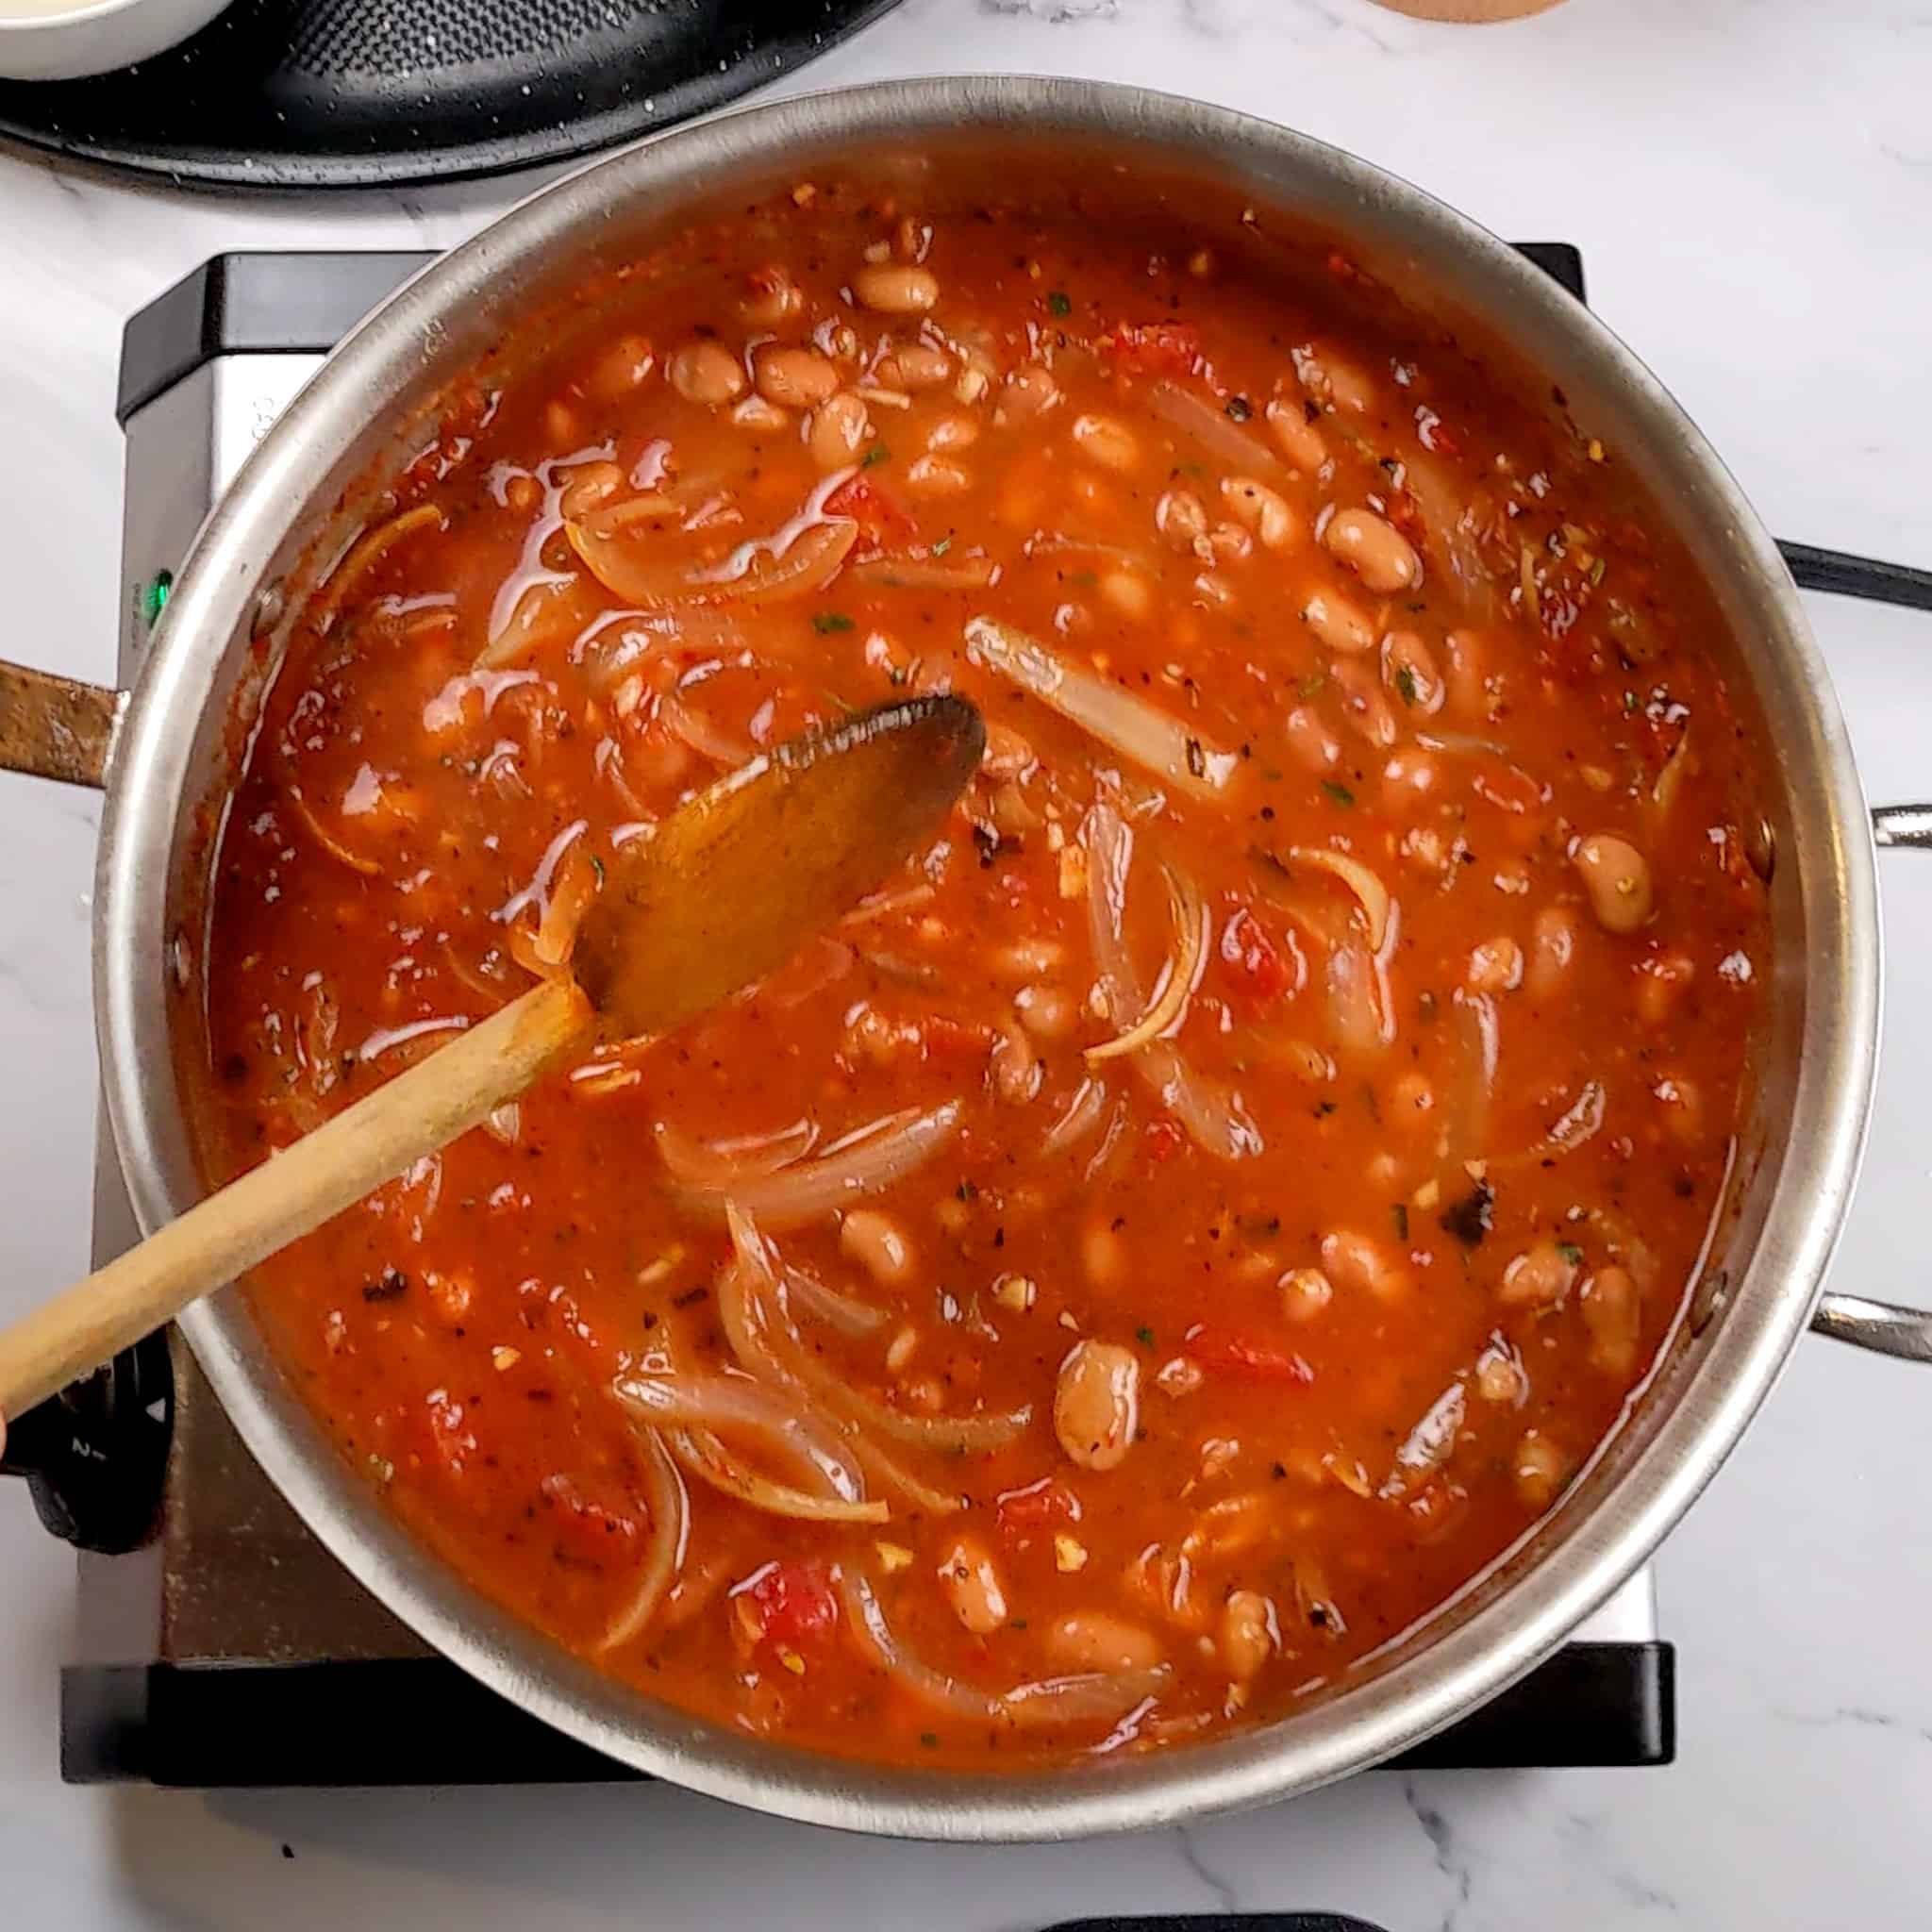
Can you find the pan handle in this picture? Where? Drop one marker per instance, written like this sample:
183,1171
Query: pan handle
1884,1327
57,727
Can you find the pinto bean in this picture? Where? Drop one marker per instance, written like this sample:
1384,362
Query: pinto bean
1097,1404
1096,1641
1617,877
971,1580
896,287
1247,1638
794,378
838,428
706,372
1108,440
1376,550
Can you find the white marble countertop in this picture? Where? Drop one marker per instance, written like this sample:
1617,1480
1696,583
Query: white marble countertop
1751,181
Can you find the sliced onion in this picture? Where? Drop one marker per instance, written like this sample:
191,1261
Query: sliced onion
326,839
473,974
1359,1025
1447,518
1580,1121
1426,1450
927,574
1670,781
726,1164
553,606
1213,429
752,1302
710,1462
1133,727
1091,1696
844,1312
670,1507
1462,745
1084,1113
1212,1114
571,890
805,564
713,1403
363,555
1361,879
705,737
885,1468
802,566
1180,977
885,904
862,1163
1468,1091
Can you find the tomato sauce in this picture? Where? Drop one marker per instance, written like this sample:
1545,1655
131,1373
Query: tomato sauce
1156,1250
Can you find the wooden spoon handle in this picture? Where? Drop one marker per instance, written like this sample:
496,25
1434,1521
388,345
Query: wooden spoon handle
221,1238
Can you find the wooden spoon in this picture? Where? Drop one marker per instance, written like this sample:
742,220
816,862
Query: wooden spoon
722,893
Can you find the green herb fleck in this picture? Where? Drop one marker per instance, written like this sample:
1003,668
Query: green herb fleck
873,456
1400,1213
826,622
598,867
930,1739
1571,1253
944,544
1197,758
1144,1336
1340,793
1324,1108
1596,571
1629,703
1017,1624
1311,684
1404,683
1239,409
1060,303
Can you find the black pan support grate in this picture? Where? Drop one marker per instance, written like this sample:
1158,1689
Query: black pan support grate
342,93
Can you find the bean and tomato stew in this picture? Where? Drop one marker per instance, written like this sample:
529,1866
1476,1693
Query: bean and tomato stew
1147,1256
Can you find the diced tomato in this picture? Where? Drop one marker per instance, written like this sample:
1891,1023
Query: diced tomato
871,508
585,1526
1157,348
792,1605
1040,1505
1164,1141
1221,1352
1258,965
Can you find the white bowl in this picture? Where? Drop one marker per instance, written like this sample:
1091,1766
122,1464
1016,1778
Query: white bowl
96,39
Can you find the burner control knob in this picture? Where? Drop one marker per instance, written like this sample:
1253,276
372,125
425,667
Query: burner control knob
95,1456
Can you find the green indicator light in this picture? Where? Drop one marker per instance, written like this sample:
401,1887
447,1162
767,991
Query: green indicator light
154,600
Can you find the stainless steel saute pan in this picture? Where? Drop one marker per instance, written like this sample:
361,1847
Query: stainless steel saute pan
162,752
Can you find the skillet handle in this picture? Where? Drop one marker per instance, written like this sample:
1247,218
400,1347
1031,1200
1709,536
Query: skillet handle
57,727
1884,1328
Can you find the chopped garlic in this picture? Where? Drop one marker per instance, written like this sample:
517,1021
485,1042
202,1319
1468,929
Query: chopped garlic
893,1557
1069,1554
1016,1291
502,1358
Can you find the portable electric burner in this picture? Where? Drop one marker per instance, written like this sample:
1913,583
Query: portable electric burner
217,1642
